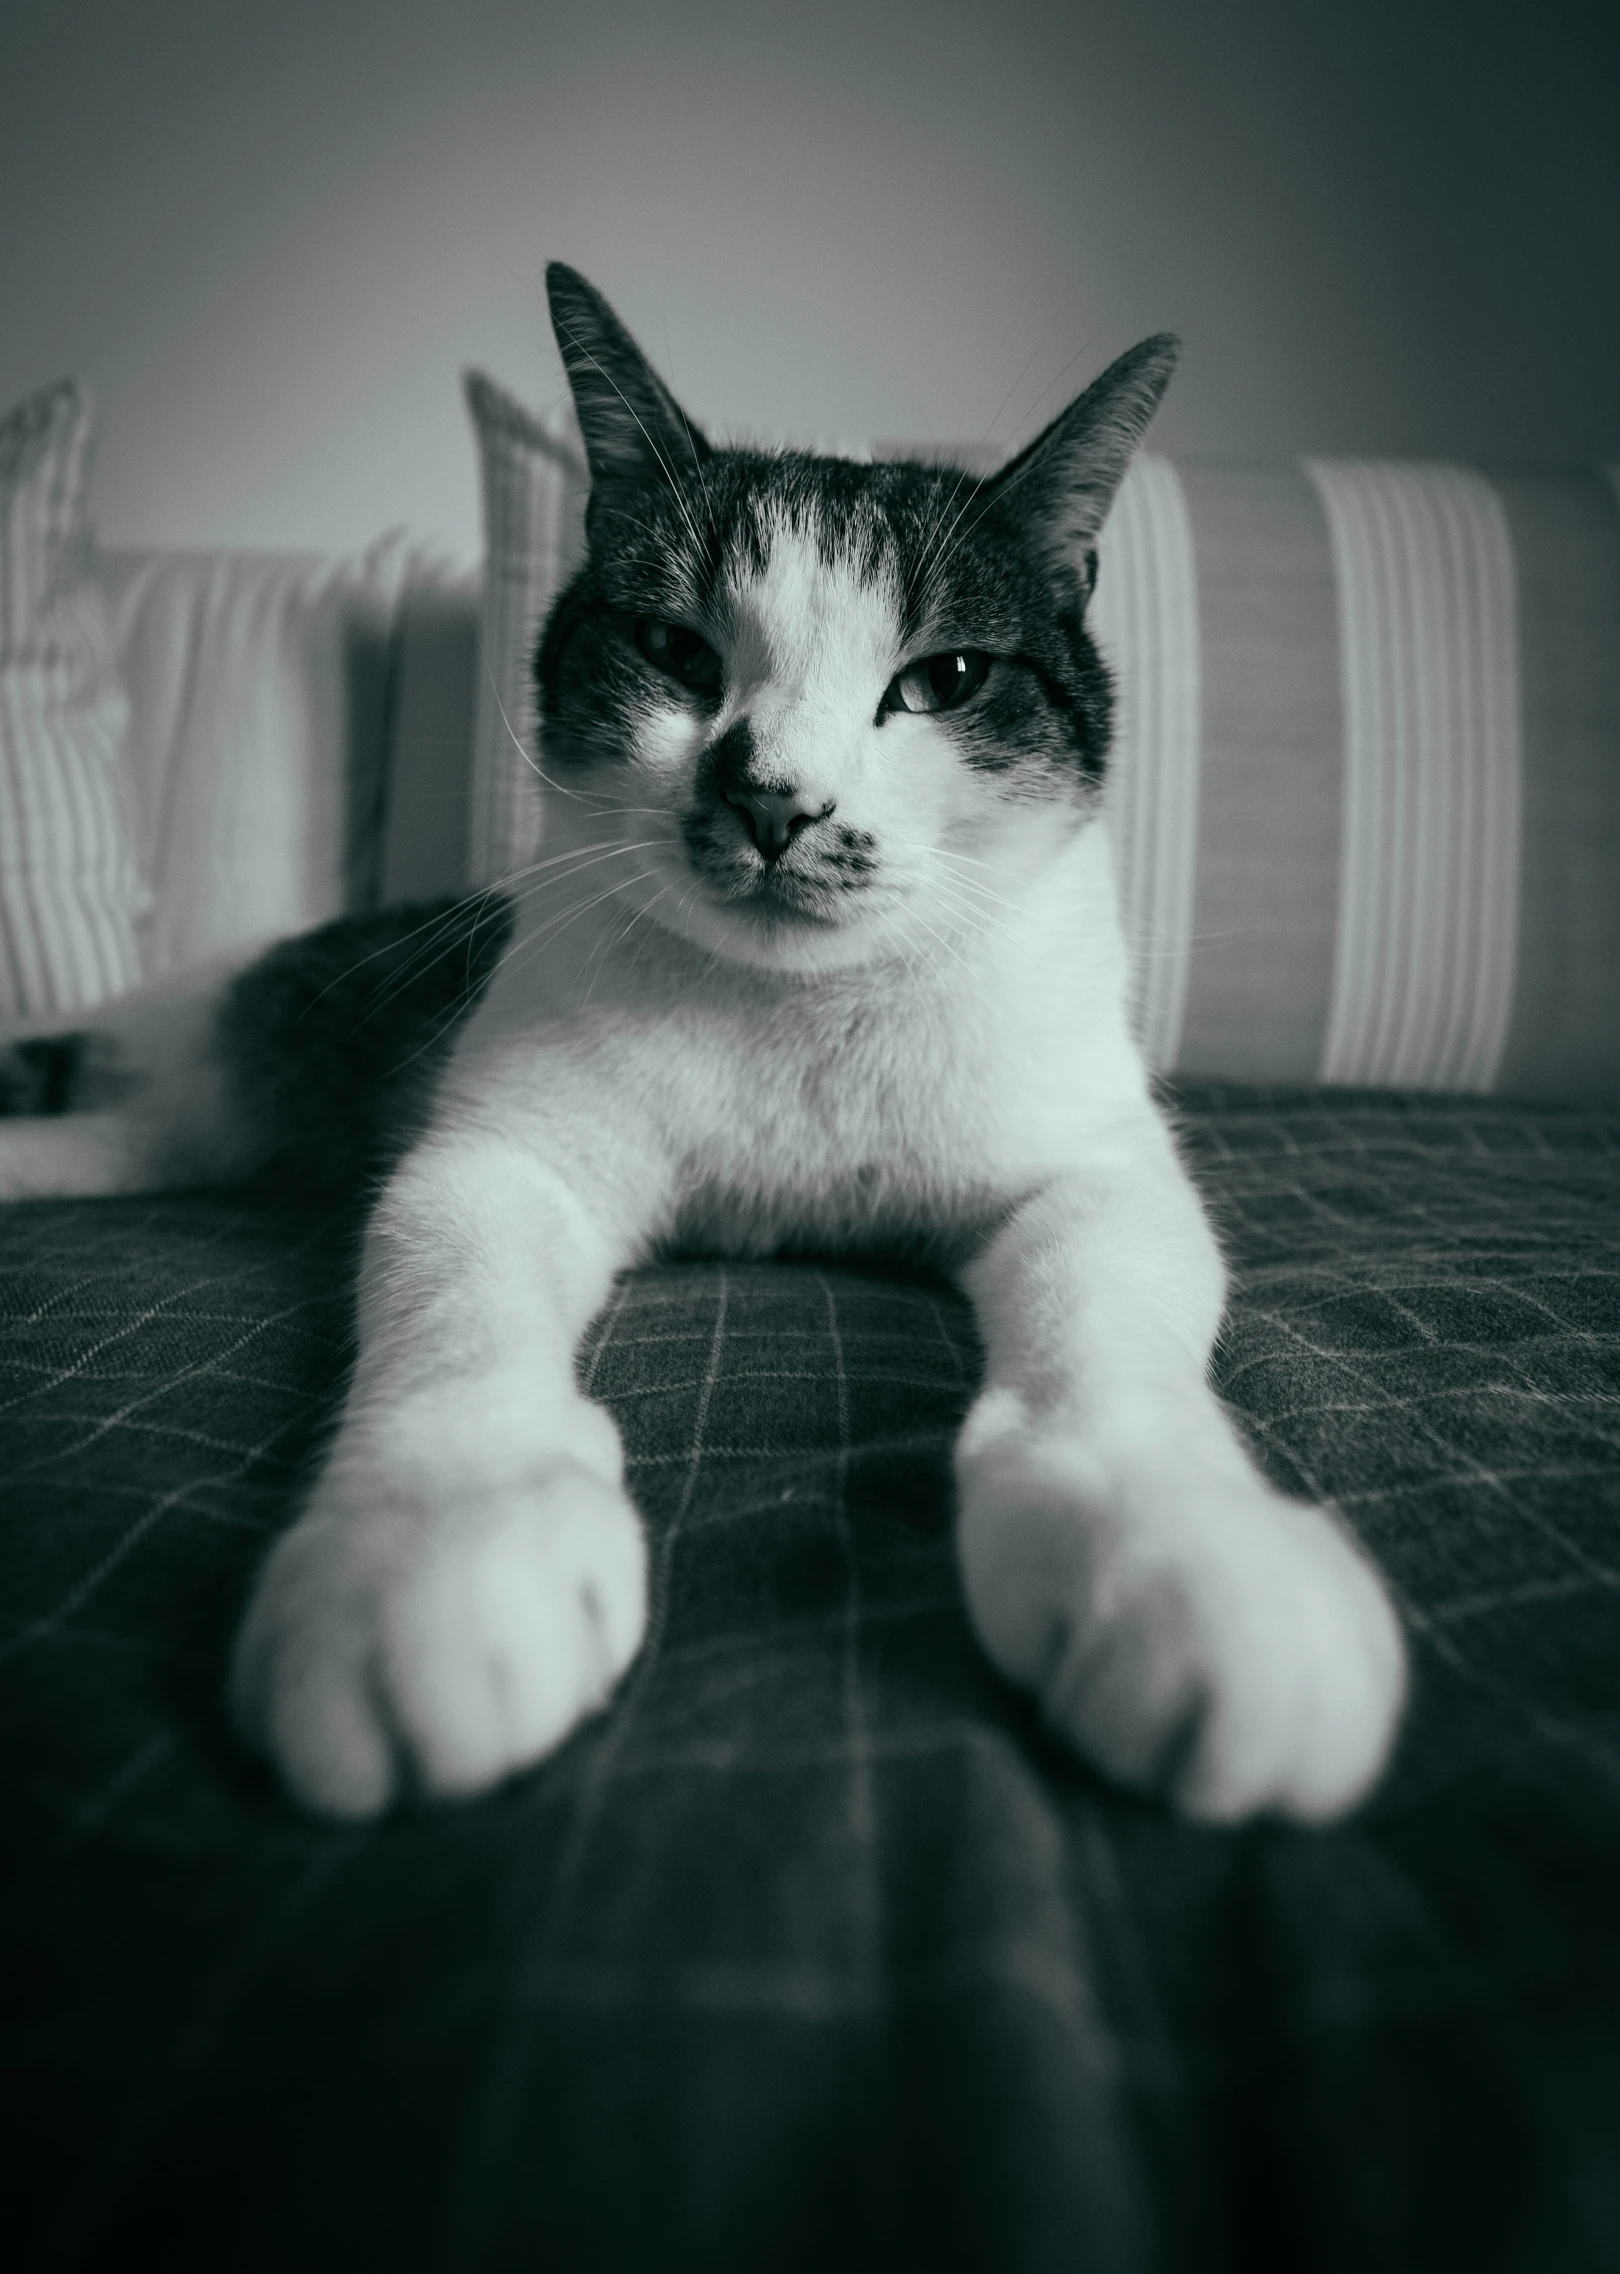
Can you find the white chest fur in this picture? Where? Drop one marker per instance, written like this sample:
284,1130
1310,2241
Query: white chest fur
904,1101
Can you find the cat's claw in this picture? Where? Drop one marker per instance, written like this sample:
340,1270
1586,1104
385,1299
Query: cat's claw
1199,1637
383,1654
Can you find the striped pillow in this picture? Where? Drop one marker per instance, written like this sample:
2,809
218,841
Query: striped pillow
1366,783
70,888
534,486
1367,797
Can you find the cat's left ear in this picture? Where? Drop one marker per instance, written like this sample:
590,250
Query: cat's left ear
633,427
1063,483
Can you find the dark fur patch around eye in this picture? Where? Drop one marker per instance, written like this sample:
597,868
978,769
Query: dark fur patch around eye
950,546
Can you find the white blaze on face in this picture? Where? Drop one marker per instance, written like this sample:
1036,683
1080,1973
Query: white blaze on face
809,648
813,647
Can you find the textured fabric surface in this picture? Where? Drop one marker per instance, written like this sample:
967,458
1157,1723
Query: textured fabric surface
266,693
70,886
811,1951
1366,786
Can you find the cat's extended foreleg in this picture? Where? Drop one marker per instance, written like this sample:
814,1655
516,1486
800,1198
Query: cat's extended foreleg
469,1576
1183,1625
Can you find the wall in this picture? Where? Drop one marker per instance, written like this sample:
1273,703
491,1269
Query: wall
269,234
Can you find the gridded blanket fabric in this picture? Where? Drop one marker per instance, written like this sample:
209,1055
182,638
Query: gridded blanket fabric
811,1952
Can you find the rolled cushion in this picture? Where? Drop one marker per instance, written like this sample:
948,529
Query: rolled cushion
1367,781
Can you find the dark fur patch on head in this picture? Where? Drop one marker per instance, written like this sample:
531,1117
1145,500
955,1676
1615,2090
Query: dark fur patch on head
954,549
333,1042
1004,565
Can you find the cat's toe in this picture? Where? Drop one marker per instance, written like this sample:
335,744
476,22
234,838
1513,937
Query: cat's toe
499,1643
1299,1692
301,1688
1304,1721
1231,1652
381,1656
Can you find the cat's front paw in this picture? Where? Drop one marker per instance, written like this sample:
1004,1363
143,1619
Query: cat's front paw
383,1652
1187,1630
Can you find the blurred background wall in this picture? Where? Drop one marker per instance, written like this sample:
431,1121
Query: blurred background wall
269,233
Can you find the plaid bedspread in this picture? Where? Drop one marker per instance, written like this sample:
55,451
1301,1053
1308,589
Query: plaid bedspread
811,1952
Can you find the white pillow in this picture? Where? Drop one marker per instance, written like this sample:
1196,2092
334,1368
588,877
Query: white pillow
264,687
70,885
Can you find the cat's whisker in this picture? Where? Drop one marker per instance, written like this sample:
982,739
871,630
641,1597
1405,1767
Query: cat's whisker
579,858
980,921
978,918
637,914
1000,489
435,927
691,444
984,892
984,915
938,938
565,331
433,930
936,553
563,789
977,861
627,811
539,941
608,949
1039,455
937,542
953,542
597,804
511,878
559,924
661,894
399,982
939,535
984,899
988,911
1013,389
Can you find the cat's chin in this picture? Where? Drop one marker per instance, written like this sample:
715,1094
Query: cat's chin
768,933
776,938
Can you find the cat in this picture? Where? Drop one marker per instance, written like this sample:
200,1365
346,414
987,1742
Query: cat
823,953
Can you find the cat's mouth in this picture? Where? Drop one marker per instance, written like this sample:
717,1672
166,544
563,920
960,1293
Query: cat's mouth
783,894
778,893
801,885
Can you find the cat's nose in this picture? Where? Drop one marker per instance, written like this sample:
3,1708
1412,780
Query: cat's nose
774,817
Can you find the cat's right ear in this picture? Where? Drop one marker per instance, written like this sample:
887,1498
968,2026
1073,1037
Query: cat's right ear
634,429
1062,485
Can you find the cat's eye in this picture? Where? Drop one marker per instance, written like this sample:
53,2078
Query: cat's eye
681,655
938,682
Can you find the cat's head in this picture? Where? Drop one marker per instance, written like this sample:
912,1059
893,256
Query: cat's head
833,708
